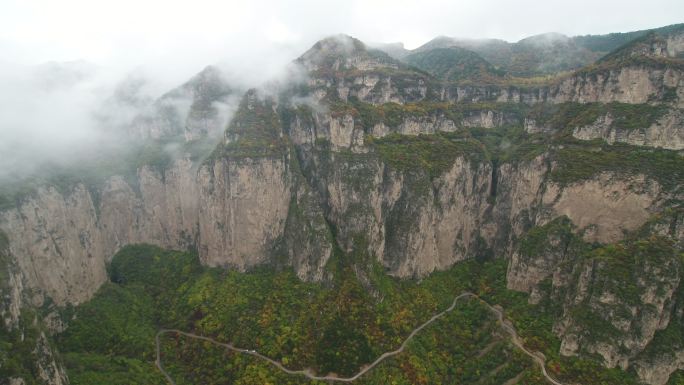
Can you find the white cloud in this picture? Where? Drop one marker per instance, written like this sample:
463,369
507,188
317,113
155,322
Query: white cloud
168,41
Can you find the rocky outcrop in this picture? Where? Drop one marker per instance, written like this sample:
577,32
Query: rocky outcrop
308,242
198,109
606,207
431,225
11,286
539,254
58,240
243,210
413,225
658,371
294,183
21,327
667,132
606,314
49,371
626,84
65,238
341,68
621,302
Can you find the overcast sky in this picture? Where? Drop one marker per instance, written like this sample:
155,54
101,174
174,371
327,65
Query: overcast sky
177,38
47,115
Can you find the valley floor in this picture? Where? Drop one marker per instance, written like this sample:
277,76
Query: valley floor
307,328
503,322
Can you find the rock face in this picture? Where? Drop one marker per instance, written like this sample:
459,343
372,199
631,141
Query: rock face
412,224
294,182
606,208
66,238
621,302
21,328
236,211
196,109
243,210
665,133
625,315
626,85
658,371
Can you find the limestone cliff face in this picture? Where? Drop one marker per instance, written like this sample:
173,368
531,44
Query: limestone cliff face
658,371
343,68
518,194
236,211
243,210
65,238
540,253
629,326
413,225
11,286
344,131
605,207
620,302
433,226
58,239
666,133
626,315
626,84
308,241
631,84
602,210
294,182
43,362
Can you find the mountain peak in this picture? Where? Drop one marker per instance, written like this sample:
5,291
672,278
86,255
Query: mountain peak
653,45
343,52
546,39
336,45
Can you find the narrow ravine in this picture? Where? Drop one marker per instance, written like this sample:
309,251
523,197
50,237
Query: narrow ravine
505,324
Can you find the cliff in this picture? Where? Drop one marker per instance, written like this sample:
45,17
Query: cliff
371,156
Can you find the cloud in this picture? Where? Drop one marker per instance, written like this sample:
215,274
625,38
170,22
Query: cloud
56,112
140,49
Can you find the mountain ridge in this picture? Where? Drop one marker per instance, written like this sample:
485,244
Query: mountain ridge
368,164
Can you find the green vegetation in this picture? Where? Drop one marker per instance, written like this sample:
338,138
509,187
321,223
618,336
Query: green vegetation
570,115
254,131
368,115
580,160
612,41
456,65
113,334
433,153
17,345
626,271
577,160
637,53
557,234
18,349
677,378
510,144
125,161
336,327
94,368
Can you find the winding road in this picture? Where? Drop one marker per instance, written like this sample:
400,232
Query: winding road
505,324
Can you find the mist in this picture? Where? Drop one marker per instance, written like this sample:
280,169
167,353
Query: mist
75,74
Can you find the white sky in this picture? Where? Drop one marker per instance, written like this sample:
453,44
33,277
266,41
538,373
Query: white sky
167,41
177,38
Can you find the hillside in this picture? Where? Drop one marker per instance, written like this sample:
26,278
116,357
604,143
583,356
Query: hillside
343,209
455,65
544,54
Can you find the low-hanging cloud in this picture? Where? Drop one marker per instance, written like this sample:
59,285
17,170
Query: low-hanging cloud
111,61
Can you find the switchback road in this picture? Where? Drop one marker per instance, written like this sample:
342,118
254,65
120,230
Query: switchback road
308,373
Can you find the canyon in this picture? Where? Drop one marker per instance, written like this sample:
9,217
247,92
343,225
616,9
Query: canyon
369,155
